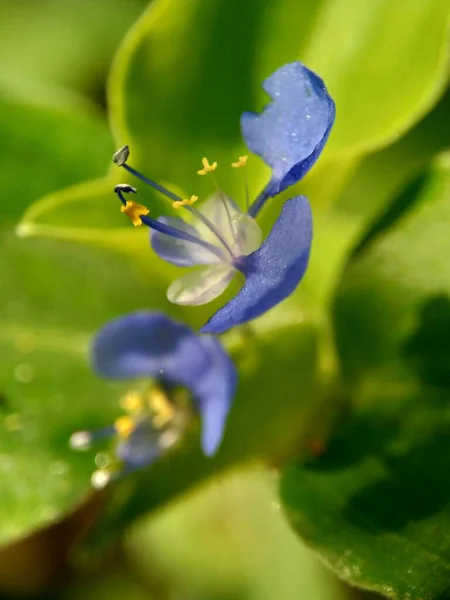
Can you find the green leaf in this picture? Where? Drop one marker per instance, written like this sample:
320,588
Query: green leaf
258,556
376,505
53,297
387,286
174,103
62,43
49,140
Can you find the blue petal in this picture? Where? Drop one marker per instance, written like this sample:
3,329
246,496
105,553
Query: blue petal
291,131
148,344
272,272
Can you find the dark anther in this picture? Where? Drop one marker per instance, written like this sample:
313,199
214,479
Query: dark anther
125,188
120,157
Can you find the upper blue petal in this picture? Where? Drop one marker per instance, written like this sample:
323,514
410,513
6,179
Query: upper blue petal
290,133
273,271
151,344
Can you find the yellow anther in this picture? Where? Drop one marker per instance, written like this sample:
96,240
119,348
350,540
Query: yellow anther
207,168
161,406
186,202
240,163
134,211
124,426
132,402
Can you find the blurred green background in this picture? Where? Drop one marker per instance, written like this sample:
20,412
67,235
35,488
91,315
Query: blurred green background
75,82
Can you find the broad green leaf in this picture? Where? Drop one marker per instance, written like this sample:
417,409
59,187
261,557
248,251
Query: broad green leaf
258,557
376,505
53,297
387,286
393,65
174,103
368,197
58,42
49,140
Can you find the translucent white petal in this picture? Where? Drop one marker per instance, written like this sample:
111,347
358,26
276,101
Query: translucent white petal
181,252
220,210
200,285
248,234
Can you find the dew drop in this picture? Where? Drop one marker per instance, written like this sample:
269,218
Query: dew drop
80,440
100,479
102,460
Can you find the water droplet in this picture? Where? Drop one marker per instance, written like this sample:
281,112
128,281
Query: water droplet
102,460
307,117
100,479
80,440
24,373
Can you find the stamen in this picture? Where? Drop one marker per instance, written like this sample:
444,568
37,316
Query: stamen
125,188
124,426
120,157
241,162
80,440
161,405
132,402
186,202
134,211
207,168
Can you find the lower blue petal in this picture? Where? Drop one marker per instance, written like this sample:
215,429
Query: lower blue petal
272,272
150,344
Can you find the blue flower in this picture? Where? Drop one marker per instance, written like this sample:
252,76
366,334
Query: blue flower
168,361
222,240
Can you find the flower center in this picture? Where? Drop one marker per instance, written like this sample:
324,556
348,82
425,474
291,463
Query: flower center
152,423
228,248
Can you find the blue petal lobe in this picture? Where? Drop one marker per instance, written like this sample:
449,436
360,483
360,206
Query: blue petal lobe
150,344
272,272
290,133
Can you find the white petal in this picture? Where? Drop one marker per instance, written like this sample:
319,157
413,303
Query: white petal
200,285
220,210
181,252
248,234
